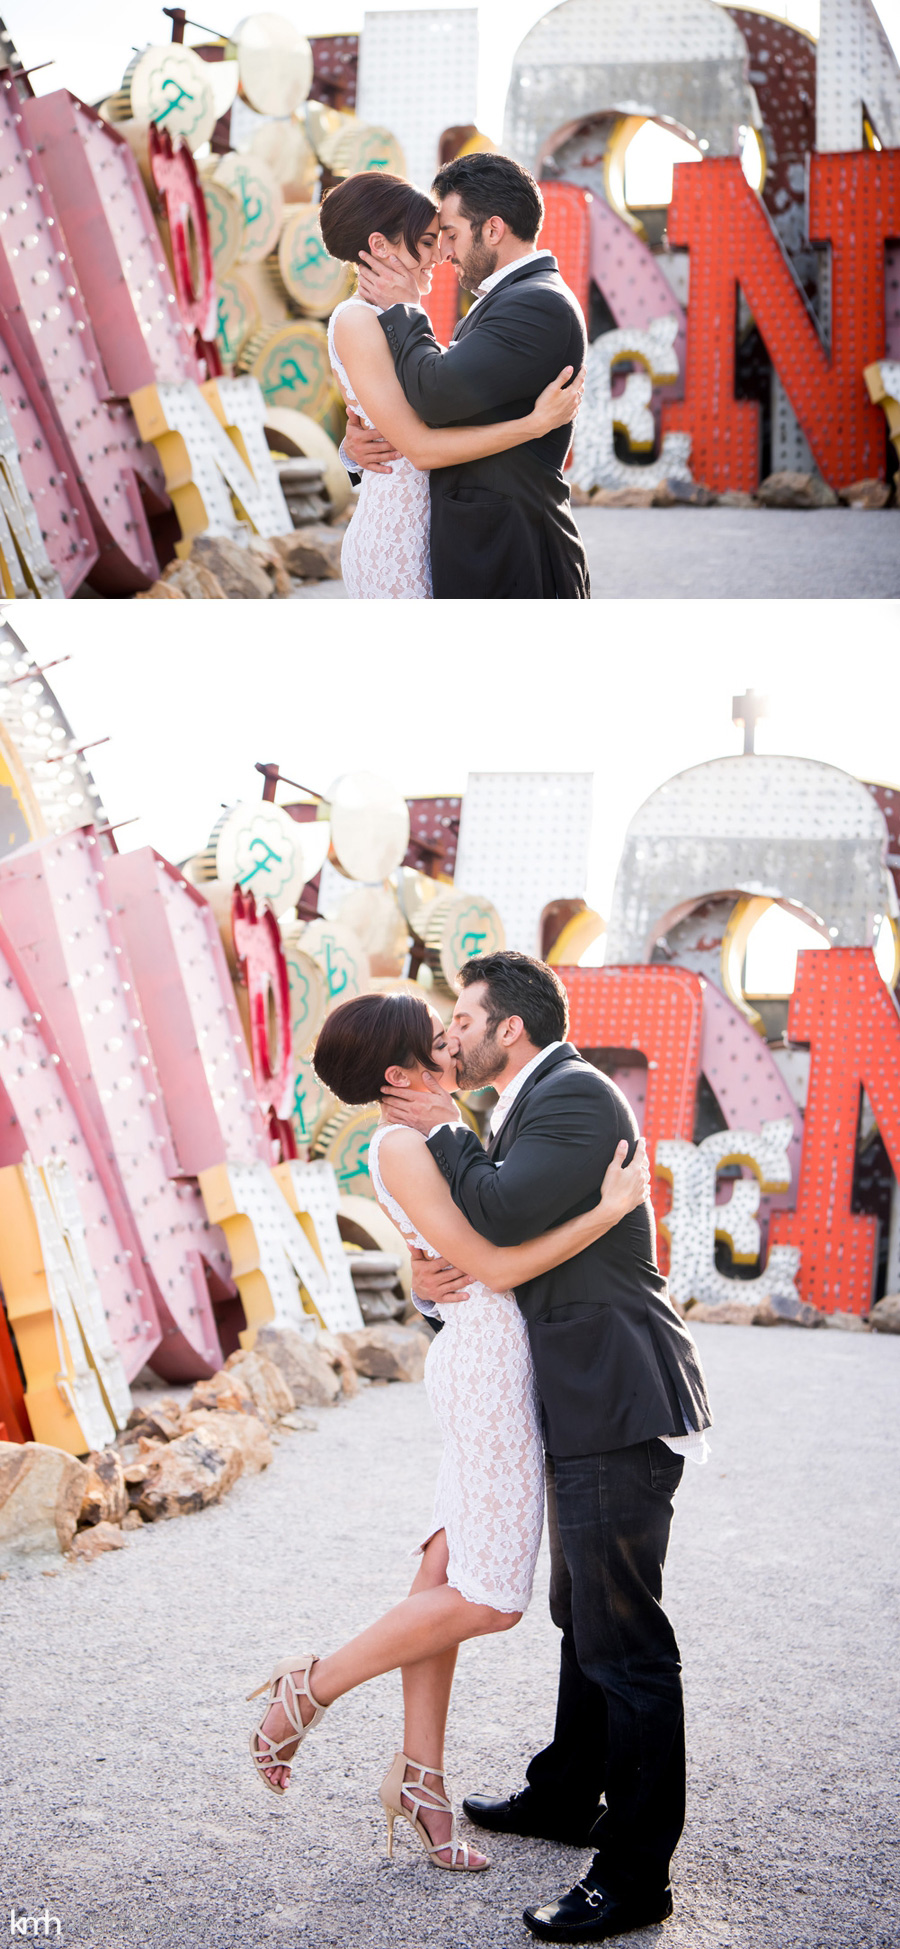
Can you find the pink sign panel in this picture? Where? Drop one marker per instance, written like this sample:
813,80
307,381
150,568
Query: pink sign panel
38,282
59,911
188,1004
47,463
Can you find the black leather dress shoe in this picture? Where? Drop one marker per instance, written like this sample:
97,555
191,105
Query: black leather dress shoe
588,1914
522,1813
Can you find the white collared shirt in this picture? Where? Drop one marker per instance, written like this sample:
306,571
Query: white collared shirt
528,257
507,1097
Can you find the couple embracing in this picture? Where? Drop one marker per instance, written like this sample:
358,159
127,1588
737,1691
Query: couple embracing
462,448
538,1255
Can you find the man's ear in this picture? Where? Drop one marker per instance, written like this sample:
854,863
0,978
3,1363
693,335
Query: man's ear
496,231
513,1030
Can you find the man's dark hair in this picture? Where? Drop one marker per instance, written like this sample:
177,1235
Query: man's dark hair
517,985
493,186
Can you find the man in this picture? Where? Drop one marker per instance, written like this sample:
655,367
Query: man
623,1400
501,527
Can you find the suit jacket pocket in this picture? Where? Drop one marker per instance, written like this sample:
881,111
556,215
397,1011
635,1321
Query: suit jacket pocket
480,545
571,1363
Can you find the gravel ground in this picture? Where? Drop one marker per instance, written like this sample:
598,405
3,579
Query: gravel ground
129,1806
730,553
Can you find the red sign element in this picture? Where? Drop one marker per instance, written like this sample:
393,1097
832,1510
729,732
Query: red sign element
175,175
841,1007
39,285
658,1012
567,232
854,205
258,945
14,1422
442,303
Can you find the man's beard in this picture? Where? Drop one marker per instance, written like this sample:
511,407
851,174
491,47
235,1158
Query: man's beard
481,1065
479,264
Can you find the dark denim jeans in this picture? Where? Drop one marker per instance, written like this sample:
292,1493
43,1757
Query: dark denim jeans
620,1713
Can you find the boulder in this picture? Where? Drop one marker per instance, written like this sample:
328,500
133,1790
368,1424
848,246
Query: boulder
732,1312
160,1422
187,1475
735,497
790,490
243,1432
305,1370
683,494
239,576
847,1322
268,558
105,1497
620,497
160,592
133,1520
263,1381
223,1394
387,1353
337,1356
194,581
780,1310
91,1543
41,1493
885,1314
313,552
866,494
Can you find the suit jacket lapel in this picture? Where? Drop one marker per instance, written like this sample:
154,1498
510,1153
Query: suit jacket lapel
507,1130
528,270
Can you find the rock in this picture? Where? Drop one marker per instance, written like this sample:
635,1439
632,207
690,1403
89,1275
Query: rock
224,1394
304,1369
133,1520
299,1423
848,1322
187,1475
377,1306
683,494
240,577
790,490
41,1493
734,497
195,582
160,592
313,552
885,1314
266,554
243,1432
161,1422
620,497
373,1267
105,1496
262,1378
732,1312
779,1310
866,494
387,1353
92,1543
337,1356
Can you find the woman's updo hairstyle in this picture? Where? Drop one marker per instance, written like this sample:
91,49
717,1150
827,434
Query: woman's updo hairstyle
362,1038
370,201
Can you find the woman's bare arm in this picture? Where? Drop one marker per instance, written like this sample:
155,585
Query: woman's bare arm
413,1178
364,352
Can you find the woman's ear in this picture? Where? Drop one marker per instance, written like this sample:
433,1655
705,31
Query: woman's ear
396,1076
378,244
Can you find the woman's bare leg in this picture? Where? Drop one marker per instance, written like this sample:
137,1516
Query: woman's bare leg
426,1700
431,1621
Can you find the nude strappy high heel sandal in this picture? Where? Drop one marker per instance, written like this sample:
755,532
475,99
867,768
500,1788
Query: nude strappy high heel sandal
282,1689
424,1800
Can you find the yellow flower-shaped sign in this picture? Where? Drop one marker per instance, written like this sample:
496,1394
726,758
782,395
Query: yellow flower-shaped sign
316,281
293,368
259,847
170,86
260,201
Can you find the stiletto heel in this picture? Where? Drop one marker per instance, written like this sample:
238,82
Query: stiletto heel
424,1800
265,1751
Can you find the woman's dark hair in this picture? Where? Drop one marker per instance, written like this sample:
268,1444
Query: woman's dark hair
517,985
370,201
493,186
361,1039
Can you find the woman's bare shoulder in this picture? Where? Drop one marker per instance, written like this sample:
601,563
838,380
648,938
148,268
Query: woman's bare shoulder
357,324
399,1149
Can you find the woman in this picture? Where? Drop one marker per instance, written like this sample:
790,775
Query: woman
479,1556
386,552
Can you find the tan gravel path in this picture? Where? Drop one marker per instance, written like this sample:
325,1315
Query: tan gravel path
128,1803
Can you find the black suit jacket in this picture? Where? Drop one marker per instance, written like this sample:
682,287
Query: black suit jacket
501,527
614,1362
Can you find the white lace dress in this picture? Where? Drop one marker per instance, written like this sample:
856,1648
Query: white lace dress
489,1498
386,555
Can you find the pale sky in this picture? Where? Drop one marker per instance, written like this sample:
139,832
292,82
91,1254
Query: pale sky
91,42
634,691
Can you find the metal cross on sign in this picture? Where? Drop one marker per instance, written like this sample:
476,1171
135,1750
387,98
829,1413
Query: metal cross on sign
748,710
